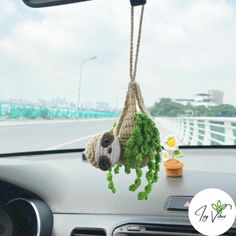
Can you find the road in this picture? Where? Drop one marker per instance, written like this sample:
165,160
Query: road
52,135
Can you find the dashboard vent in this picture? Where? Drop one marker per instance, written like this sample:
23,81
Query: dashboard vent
160,230
88,232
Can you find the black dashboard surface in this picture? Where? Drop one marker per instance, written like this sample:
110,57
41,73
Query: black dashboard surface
70,185
78,196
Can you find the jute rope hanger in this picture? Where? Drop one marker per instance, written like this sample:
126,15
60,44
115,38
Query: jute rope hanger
125,123
134,97
133,65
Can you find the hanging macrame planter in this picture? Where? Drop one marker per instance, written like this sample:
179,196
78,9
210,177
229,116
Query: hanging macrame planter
134,142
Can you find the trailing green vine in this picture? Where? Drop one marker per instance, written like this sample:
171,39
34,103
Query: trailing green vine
111,185
142,148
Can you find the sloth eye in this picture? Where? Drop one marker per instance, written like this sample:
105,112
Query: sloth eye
104,163
110,150
107,139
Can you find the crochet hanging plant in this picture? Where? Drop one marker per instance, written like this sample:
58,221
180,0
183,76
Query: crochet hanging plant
134,142
141,149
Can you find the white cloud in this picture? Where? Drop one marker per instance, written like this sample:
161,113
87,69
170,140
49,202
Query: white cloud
187,46
7,8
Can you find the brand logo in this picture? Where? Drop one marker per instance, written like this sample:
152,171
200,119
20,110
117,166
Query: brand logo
212,212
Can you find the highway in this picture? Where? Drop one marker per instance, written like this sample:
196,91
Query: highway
37,136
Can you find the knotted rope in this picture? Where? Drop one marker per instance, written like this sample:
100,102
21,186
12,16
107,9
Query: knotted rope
134,97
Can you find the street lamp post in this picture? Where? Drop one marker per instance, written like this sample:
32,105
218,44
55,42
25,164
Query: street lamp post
80,78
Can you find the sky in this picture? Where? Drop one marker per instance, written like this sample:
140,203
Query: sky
188,47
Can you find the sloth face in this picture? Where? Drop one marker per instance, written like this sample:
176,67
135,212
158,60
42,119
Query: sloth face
107,151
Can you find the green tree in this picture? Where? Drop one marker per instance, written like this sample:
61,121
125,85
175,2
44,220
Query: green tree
166,107
223,110
200,111
169,108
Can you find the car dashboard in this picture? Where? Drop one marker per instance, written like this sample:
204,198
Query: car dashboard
61,194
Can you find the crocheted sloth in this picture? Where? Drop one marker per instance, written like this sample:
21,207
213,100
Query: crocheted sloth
103,151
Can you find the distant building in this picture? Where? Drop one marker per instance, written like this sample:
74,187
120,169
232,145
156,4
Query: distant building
87,105
41,102
212,98
59,102
184,101
216,96
102,106
203,99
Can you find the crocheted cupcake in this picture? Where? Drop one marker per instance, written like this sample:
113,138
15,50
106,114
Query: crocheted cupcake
174,167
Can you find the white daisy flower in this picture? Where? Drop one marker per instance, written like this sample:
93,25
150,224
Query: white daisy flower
165,155
171,142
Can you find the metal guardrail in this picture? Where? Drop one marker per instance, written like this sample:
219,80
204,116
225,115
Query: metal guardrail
10,112
203,130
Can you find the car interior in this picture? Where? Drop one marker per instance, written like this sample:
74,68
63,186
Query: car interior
57,192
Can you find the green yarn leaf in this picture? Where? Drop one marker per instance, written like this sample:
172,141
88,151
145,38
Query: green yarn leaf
142,148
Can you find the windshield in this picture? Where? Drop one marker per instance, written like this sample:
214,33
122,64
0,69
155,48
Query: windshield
65,71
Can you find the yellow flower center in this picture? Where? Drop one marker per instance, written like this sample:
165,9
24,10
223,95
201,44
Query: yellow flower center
171,142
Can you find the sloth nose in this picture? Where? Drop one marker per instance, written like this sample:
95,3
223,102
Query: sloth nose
104,163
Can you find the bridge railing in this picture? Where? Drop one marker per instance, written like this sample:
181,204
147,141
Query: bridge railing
19,112
203,130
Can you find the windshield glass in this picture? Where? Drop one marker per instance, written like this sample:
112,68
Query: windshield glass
65,71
